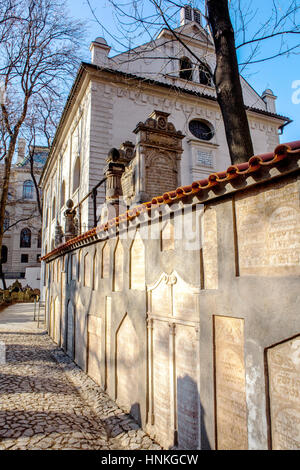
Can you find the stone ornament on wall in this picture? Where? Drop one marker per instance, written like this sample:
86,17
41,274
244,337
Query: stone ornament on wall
167,236
137,263
105,272
268,226
118,267
171,296
95,360
210,249
127,362
173,342
230,383
284,394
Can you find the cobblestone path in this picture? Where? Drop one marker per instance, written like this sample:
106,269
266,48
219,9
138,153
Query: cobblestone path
47,402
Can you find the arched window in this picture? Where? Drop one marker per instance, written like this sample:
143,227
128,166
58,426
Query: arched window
47,217
201,129
28,188
63,194
53,207
76,174
205,75
186,69
39,239
4,252
6,221
25,238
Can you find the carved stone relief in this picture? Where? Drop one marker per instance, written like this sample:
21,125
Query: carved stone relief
137,263
127,359
230,383
268,227
284,392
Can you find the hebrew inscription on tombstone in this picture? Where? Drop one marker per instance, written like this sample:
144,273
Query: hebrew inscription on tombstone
231,407
284,393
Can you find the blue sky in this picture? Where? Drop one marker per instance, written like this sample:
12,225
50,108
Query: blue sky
278,74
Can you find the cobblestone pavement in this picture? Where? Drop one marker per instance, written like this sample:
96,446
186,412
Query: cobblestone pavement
47,402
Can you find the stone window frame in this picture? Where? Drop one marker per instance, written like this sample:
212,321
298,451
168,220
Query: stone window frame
28,190
25,243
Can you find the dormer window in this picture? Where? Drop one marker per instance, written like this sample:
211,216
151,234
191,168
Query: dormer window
186,69
205,76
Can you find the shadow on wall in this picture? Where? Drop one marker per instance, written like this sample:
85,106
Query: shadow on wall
190,416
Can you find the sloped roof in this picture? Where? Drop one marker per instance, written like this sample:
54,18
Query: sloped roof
252,167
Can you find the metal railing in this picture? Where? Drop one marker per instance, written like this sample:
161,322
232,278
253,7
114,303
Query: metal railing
93,195
39,305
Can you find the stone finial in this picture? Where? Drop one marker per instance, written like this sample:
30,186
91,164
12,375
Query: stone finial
127,151
70,225
158,122
113,172
58,235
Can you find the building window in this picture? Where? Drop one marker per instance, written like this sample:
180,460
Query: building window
6,221
205,75
4,253
28,188
201,129
25,238
76,174
186,69
39,239
24,258
53,208
63,194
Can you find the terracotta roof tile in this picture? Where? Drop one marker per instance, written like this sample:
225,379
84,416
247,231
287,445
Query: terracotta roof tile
281,152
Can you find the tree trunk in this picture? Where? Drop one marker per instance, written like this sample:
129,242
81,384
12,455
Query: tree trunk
227,82
37,192
5,184
2,276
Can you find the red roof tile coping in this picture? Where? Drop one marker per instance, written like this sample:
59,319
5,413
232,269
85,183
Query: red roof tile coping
281,152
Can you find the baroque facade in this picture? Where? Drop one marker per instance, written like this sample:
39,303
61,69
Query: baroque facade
112,94
22,241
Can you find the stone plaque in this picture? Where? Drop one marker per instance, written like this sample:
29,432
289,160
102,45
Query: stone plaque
95,359
160,294
127,361
105,261
108,359
284,392
57,321
137,264
74,267
210,249
87,270
167,237
185,299
118,267
70,330
231,409
161,384
188,405
268,227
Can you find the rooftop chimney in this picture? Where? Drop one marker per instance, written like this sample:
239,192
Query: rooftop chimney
269,98
99,50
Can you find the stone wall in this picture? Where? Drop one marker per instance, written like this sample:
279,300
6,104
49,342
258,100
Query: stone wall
185,312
